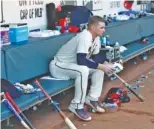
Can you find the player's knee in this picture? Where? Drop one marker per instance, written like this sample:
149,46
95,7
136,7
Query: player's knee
100,73
84,70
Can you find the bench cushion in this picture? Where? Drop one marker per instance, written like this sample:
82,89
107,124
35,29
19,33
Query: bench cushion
23,102
137,48
53,87
146,26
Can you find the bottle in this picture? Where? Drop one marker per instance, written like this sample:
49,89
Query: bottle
110,105
66,26
68,17
109,18
103,41
107,40
144,56
116,44
105,19
114,17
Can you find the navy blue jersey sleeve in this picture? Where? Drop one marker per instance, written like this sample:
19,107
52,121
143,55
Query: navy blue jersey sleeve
98,58
82,60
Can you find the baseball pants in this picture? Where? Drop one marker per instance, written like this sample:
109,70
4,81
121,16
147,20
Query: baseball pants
81,74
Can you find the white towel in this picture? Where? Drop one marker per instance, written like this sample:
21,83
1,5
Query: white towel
122,49
51,78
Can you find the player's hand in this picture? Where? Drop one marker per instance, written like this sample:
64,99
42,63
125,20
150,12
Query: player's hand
107,68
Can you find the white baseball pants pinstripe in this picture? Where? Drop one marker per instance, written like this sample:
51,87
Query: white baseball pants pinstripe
80,74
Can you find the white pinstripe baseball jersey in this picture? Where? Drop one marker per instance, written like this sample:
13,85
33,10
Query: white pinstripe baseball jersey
81,43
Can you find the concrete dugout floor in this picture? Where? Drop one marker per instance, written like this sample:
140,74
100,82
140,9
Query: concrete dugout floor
133,115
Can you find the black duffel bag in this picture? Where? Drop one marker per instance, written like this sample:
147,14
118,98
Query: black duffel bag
6,86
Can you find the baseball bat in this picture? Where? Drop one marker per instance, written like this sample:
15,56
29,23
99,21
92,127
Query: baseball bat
66,119
9,98
128,86
11,108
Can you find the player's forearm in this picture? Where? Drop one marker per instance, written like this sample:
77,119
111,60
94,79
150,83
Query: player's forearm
99,58
82,60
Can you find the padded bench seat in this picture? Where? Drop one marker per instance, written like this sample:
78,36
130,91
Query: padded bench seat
54,87
136,48
28,100
23,102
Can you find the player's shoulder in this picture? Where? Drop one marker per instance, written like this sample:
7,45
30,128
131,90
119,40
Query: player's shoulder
85,34
97,39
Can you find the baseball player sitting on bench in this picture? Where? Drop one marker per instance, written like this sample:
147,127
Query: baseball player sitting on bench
79,59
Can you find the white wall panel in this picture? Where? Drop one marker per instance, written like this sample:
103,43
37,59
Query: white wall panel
34,13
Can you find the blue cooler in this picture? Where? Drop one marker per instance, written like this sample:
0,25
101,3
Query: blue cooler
18,34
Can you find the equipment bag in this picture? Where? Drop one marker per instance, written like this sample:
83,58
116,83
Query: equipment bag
77,14
51,16
6,86
117,95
